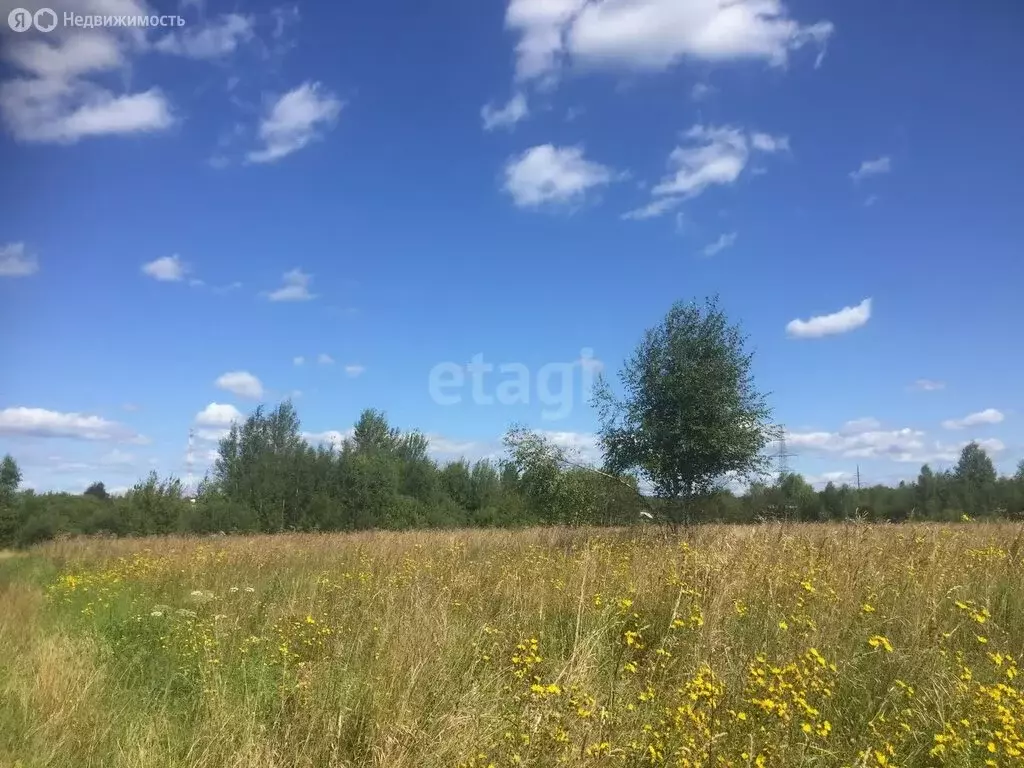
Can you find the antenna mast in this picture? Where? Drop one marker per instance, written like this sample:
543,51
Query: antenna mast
190,492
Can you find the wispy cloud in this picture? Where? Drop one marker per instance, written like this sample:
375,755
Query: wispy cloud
723,242
507,116
15,261
297,118
871,168
987,416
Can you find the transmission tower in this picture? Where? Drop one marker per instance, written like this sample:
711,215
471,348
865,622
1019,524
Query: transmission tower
190,491
782,457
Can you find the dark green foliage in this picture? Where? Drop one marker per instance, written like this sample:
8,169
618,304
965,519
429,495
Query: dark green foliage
97,490
268,479
690,413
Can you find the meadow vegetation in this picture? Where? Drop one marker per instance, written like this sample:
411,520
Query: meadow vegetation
774,645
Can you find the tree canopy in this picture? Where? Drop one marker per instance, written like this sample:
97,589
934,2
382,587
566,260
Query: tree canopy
690,414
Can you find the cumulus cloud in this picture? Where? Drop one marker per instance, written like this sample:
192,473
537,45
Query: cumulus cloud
16,262
987,416
324,359
652,34
867,439
41,422
295,288
549,175
294,120
507,116
331,438
352,370
843,321
241,383
215,420
443,448
723,242
871,168
166,268
928,385
59,92
299,360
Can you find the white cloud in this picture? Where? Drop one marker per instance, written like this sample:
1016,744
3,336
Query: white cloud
118,458
40,422
871,168
711,156
295,288
506,116
300,360
843,321
324,359
856,426
904,444
62,112
546,174
215,420
652,34
241,383
15,262
354,369
218,415
765,142
332,438
209,41
836,476
987,416
990,445
870,200
701,91
166,268
928,385
446,449
864,439
54,98
297,118
582,447
723,242
653,209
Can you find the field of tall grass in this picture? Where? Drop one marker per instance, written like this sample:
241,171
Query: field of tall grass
817,645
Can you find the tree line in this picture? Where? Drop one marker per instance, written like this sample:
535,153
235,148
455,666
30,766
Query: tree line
685,419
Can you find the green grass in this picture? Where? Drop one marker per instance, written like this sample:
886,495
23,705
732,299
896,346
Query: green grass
816,645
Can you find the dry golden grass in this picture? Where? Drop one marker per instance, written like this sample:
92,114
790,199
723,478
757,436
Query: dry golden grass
816,645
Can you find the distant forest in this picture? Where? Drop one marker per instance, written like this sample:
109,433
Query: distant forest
687,415
267,478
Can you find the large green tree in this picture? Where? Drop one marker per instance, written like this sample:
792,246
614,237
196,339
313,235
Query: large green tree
689,414
10,479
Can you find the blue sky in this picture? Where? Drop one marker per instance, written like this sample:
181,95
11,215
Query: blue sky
383,188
